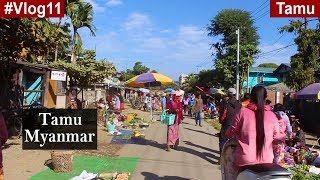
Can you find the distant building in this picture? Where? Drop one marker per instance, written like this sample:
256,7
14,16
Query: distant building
283,72
182,78
261,76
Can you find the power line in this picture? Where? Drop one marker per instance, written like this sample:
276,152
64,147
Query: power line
279,49
259,6
278,38
262,16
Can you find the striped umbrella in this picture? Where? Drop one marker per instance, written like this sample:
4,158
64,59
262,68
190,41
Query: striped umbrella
149,80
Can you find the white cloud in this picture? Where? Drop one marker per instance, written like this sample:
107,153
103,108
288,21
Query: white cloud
112,3
96,7
106,43
187,47
137,21
166,31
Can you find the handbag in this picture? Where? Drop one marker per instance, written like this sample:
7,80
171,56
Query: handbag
166,118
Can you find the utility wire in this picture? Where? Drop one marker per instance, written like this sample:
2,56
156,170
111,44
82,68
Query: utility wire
262,16
279,49
259,6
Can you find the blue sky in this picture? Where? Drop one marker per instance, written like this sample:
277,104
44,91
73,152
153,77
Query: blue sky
170,36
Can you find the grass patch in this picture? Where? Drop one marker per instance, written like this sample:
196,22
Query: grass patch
91,164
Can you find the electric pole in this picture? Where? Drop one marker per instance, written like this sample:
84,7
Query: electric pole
237,71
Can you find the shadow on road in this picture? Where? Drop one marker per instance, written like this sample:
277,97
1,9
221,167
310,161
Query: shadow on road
202,132
202,147
211,158
7,145
186,123
151,176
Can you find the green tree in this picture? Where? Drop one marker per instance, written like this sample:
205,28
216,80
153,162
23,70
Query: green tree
154,71
88,54
268,65
138,68
306,62
86,72
81,15
126,75
190,83
225,25
209,78
56,40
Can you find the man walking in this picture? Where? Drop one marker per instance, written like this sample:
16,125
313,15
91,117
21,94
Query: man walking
228,110
198,107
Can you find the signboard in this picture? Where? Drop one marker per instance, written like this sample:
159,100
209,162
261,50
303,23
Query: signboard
61,88
58,75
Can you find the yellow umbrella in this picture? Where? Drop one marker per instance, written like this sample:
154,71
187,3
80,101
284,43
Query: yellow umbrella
131,83
221,92
149,79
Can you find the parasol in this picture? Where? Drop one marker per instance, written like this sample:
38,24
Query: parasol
144,90
311,92
216,91
169,90
149,80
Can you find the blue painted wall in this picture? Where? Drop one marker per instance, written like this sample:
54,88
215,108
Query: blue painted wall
268,79
31,81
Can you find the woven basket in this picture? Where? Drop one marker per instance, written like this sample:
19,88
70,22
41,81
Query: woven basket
62,161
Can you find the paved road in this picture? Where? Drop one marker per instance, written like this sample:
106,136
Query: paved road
196,158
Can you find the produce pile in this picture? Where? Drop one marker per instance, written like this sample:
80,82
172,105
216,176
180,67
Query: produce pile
302,172
303,162
134,122
214,122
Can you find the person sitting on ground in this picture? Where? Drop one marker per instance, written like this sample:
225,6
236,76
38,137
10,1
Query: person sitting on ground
300,137
285,131
279,109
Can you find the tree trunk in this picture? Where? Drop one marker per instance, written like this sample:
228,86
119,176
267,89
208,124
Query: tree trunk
82,101
56,53
56,50
73,51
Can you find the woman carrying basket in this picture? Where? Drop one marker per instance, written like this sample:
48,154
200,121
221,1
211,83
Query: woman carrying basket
175,107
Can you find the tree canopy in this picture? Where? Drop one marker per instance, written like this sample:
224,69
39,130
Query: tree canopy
224,25
31,39
86,72
206,78
306,61
268,65
137,69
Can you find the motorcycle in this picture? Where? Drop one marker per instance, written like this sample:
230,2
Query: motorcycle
269,171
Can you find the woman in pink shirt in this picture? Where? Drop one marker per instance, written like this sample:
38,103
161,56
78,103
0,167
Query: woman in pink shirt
255,128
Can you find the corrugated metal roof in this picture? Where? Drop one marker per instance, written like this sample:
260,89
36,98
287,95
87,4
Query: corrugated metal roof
281,87
262,69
